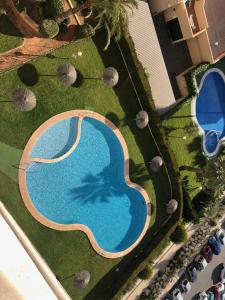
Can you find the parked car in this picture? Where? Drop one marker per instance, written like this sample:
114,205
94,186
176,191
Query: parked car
220,234
201,262
210,295
220,287
207,253
192,273
176,293
185,285
202,296
215,245
216,292
222,274
223,295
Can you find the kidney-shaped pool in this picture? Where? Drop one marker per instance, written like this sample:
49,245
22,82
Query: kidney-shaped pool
75,177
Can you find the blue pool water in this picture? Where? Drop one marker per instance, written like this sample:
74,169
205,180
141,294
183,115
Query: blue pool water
210,110
88,187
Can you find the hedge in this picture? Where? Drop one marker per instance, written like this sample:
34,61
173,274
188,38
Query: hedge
191,78
179,235
52,8
49,28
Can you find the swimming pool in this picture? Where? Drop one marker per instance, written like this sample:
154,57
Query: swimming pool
77,178
209,111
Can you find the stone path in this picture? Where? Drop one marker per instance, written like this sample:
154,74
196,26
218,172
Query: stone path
34,47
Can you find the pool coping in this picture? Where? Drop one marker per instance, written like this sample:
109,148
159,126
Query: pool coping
194,118
26,159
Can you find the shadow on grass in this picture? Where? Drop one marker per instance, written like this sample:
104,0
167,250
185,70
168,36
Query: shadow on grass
80,79
108,286
7,28
28,74
196,147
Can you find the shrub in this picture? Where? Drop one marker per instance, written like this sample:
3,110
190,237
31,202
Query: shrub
52,8
49,28
179,235
146,273
85,30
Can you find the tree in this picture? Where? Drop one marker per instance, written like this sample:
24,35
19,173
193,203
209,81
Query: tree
17,19
179,235
212,176
113,15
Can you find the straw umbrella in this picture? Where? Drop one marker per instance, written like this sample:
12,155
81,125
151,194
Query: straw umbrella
66,74
142,119
23,99
110,76
156,163
171,206
82,279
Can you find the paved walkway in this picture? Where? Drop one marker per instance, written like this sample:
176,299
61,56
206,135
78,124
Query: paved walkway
33,47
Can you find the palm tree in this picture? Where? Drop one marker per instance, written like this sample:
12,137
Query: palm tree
213,175
17,19
113,15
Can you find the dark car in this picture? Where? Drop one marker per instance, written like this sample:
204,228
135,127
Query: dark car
207,253
215,245
192,273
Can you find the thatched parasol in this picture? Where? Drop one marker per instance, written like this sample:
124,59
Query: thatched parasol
110,76
23,99
142,119
171,206
156,163
66,74
82,279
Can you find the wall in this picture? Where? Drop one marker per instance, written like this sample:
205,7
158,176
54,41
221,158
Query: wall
180,13
158,6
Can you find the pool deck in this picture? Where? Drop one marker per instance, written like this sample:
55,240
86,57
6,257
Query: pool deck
26,160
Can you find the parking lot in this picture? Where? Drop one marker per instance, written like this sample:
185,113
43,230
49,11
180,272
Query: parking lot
207,277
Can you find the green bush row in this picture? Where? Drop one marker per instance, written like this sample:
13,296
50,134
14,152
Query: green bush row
191,78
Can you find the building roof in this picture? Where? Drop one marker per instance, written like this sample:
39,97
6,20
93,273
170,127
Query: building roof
147,46
20,277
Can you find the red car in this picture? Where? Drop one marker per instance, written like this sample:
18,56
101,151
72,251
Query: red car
216,292
207,253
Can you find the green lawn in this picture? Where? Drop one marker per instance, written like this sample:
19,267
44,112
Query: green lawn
10,38
69,252
179,124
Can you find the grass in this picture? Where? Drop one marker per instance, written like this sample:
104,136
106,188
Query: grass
10,38
69,252
179,124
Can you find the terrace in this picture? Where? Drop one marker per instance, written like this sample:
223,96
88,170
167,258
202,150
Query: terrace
216,26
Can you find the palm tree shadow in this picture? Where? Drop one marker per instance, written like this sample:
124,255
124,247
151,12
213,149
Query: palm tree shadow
196,147
28,74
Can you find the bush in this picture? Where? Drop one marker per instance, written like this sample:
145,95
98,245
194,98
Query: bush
85,30
49,28
52,8
146,273
179,235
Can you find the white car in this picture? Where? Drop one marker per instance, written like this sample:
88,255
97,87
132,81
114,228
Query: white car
202,296
201,263
186,287
220,234
176,294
